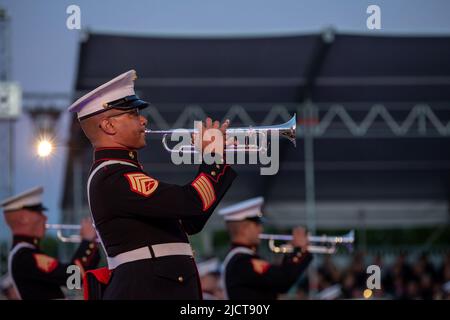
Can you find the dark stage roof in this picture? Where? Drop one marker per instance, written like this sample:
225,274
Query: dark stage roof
257,75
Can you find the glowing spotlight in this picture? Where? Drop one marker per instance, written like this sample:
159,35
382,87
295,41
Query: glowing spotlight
367,293
44,148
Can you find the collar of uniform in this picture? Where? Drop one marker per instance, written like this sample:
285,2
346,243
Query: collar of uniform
104,154
31,240
237,244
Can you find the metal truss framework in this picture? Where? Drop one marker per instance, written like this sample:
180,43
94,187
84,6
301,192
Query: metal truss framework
333,121
328,120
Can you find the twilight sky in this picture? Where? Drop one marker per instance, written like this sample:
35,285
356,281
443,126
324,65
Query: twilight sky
44,51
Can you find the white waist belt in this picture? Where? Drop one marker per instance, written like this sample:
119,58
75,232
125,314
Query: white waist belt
159,250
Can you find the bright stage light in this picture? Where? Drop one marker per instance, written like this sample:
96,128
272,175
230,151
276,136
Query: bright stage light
44,148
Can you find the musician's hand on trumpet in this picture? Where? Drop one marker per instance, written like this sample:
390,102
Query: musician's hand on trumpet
300,239
87,231
208,140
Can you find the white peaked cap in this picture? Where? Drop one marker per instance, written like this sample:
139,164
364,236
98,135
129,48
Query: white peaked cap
250,208
28,199
117,93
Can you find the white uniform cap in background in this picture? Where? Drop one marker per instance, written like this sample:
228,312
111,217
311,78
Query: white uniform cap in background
30,199
240,211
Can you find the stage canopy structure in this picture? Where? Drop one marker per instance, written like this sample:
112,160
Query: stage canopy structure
373,119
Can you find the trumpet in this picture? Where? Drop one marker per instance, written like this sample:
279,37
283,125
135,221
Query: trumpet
60,228
323,244
286,130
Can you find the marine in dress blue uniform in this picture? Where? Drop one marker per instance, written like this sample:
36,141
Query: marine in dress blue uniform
246,275
144,223
34,274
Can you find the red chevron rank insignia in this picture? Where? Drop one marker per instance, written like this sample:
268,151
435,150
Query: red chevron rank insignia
141,183
45,263
260,266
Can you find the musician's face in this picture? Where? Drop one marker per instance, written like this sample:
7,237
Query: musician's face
254,230
130,128
36,220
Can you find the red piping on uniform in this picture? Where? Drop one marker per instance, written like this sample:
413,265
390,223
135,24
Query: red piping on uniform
126,160
113,148
219,175
103,275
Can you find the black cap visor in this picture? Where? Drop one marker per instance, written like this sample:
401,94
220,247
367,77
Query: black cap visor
126,103
258,220
129,102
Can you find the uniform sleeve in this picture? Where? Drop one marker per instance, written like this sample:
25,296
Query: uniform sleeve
258,273
87,255
39,266
221,178
133,192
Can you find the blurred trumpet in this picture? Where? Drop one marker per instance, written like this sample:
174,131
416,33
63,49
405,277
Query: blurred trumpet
286,130
61,228
321,244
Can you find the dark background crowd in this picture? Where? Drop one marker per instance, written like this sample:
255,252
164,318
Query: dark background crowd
406,277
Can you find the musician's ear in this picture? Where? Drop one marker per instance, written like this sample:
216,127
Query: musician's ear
107,126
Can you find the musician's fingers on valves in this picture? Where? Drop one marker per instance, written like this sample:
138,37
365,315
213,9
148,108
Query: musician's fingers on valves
87,230
210,124
300,238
